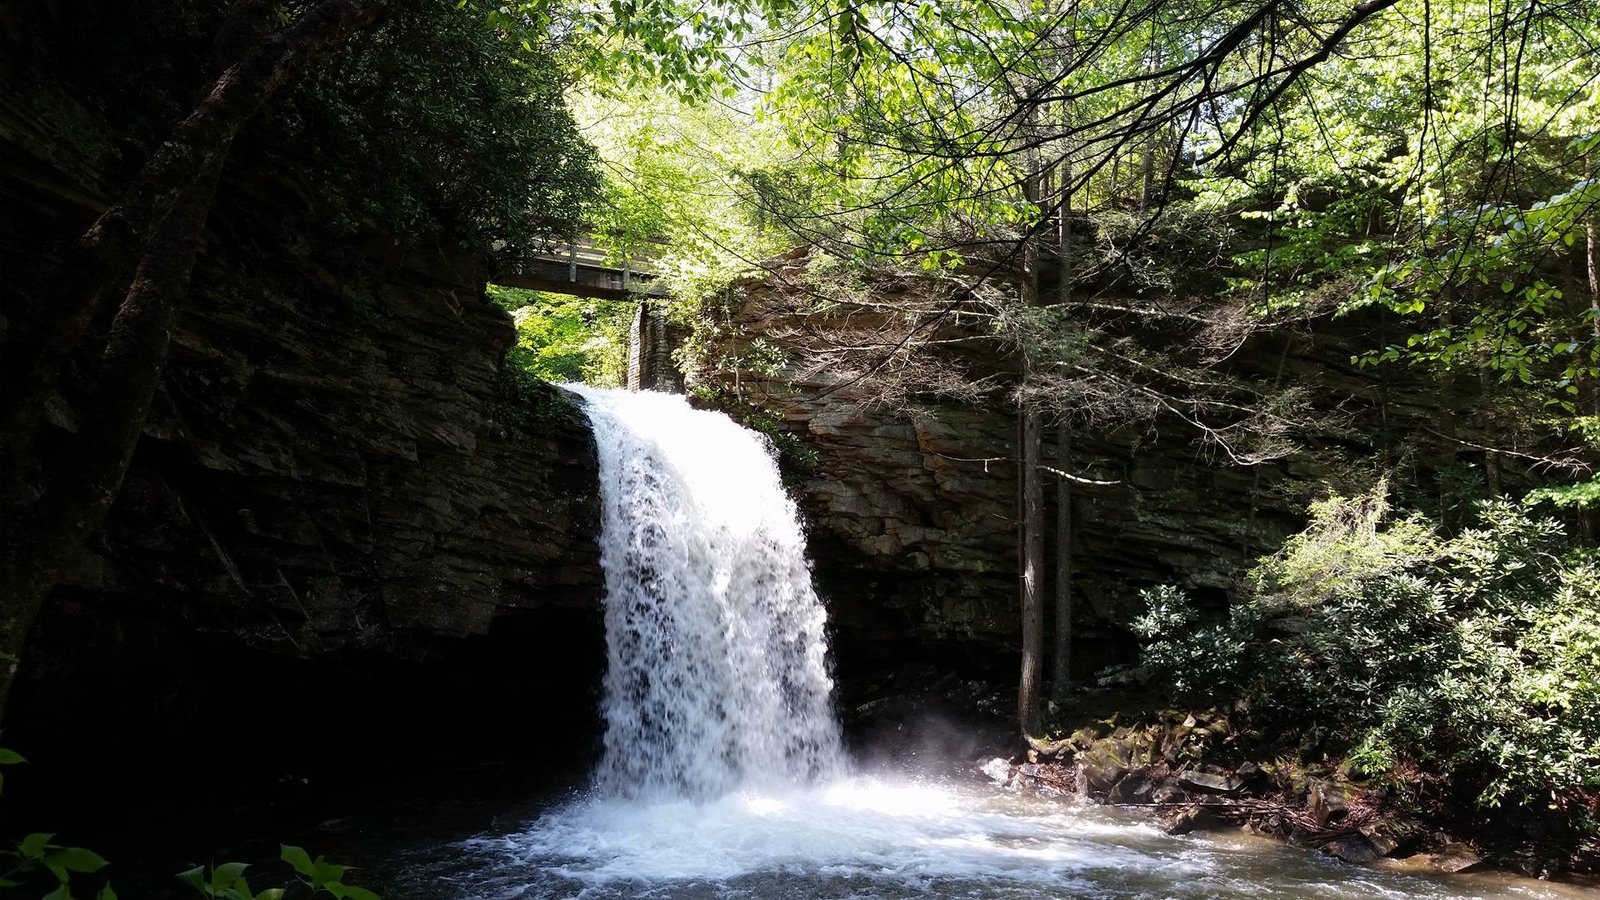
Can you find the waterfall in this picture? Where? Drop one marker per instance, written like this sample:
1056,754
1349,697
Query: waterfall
718,673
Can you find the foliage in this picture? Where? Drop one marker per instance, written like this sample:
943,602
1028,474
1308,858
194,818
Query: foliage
677,198
434,126
34,857
227,881
562,338
1476,655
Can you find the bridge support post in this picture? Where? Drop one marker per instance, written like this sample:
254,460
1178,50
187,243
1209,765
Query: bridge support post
651,341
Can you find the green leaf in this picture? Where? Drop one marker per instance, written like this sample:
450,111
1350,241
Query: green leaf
324,872
10,757
228,874
106,893
270,894
61,893
349,891
195,878
297,857
33,846
77,859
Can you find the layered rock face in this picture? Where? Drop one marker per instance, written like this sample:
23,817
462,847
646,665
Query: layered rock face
336,460
911,520
911,508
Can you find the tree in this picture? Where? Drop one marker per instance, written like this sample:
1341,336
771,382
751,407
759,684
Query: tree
1179,129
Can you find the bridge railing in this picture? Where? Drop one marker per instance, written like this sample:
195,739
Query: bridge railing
583,266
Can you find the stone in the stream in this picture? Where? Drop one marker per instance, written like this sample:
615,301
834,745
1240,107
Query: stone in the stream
1353,849
1326,801
1134,787
1189,818
1388,836
1098,770
1168,792
1454,858
1207,783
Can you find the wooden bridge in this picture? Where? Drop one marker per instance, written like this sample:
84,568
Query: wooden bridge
583,268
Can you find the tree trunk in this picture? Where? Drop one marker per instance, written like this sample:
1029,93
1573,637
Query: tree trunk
1061,682
50,507
1592,230
1032,588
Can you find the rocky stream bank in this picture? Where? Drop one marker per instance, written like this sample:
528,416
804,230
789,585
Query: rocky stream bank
1208,771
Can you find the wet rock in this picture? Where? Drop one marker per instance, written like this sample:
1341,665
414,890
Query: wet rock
1096,778
1455,857
1208,783
1249,772
1326,801
1168,792
1189,818
1389,837
1353,849
1133,788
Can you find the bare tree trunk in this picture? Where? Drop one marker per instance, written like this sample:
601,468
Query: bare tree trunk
1593,233
1032,587
1061,682
50,507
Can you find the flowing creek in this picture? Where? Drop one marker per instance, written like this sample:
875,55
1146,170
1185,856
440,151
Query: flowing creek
723,774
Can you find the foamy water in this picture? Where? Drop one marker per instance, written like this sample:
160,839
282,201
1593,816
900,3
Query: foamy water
717,673
871,837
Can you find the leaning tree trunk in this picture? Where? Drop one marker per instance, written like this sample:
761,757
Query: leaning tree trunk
50,507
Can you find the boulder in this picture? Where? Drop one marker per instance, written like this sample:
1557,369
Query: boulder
1389,836
1185,819
1133,788
1455,857
1326,800
1352,849
1208,783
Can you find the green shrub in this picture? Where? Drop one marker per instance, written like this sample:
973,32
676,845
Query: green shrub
433,126
1476,656
561,338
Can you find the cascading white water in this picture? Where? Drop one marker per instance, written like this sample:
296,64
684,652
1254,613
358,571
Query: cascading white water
718,676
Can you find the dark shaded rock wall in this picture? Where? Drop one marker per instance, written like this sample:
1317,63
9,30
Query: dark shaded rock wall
347,533
335,460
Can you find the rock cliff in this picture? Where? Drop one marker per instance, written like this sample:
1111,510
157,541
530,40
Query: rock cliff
344,506
910,506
